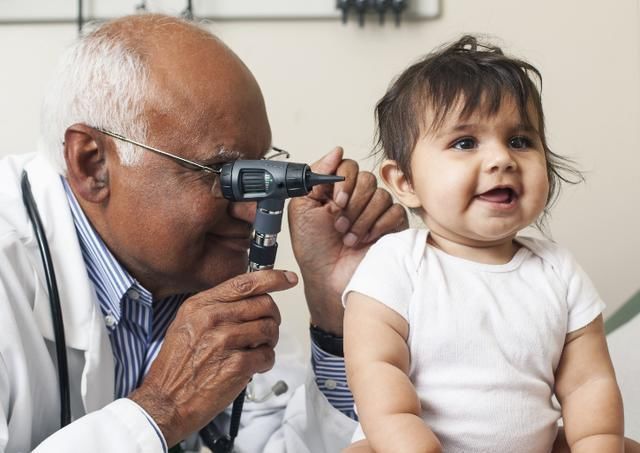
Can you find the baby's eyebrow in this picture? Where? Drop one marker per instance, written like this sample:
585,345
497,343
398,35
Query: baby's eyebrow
464,127
457,128
526,128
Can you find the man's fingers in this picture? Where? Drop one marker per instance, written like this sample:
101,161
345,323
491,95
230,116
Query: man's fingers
246,310
366,186
254,334
247,335
393,220
243,361
339,192
378,205
258,360
250,284
328,164
343,190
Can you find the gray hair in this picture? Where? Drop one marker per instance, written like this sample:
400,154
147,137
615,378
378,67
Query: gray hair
103,80
99,82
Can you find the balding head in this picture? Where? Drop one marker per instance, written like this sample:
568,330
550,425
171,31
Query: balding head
142,32
130,73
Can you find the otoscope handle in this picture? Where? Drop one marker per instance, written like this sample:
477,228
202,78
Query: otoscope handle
269,216
268,223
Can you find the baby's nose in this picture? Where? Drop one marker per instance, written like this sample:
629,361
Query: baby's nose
500,158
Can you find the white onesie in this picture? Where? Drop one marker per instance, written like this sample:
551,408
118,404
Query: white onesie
485,340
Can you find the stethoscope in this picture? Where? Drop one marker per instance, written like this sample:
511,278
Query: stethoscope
54,300
278,388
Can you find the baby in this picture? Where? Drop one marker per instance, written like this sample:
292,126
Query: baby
458,336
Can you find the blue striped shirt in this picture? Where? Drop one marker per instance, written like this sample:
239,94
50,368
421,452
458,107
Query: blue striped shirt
331,379
137,323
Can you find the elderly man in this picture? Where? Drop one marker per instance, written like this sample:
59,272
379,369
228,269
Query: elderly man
163,326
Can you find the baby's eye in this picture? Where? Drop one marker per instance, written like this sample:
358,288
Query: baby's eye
464,143
519,142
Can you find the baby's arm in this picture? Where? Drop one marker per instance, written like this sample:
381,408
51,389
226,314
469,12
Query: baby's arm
377,362
588,393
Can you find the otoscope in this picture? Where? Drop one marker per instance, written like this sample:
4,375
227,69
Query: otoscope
269,183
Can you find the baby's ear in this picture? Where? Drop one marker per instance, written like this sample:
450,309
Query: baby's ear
399,184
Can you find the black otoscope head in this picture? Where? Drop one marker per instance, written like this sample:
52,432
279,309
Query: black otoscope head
256,180
269,183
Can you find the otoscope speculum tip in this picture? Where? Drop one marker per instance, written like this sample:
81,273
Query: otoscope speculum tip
313,179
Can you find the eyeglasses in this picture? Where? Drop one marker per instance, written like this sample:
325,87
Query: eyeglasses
273,153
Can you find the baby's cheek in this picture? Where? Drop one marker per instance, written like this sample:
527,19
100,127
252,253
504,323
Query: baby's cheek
541,188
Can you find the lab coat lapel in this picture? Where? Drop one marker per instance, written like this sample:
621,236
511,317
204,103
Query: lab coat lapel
77,296
98,375
83,323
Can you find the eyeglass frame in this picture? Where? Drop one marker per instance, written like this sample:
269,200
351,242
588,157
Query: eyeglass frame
187,163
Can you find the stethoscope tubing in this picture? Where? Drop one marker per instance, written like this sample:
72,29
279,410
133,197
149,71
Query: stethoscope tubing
54,300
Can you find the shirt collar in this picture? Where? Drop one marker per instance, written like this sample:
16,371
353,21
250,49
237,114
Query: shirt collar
113,282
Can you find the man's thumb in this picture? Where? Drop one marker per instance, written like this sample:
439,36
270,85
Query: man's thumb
328,164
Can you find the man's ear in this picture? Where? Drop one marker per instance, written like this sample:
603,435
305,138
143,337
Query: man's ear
398,182
87,170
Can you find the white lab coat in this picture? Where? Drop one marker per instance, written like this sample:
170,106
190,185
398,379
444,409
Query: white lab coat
301,420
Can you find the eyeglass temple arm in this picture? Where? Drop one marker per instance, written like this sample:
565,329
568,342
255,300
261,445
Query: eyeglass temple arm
184,161
279,152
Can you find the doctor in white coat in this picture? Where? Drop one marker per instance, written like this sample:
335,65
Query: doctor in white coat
152,364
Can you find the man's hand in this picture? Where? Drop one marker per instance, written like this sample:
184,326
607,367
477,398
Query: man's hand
331,230
219,339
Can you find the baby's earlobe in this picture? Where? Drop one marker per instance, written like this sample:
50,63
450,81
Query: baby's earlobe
397,181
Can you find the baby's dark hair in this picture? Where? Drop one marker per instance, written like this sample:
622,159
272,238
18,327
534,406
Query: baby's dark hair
481,75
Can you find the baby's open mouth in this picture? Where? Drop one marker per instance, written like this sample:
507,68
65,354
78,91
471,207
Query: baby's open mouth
501,195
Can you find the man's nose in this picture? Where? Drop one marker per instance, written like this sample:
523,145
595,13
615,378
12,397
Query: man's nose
245,210
500,158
